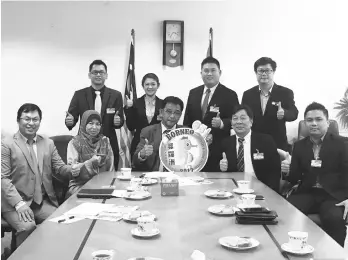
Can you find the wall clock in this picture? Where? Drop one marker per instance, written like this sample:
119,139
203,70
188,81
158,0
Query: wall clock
173,43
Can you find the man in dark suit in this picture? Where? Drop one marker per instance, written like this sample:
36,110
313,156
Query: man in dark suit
254,153
28,161
212,104
320,163
272,104
108,102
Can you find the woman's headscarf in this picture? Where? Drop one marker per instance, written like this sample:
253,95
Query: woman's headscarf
87,145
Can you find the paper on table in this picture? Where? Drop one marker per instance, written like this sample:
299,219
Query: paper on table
88,209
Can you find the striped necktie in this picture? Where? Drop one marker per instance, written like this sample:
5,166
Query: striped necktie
205,102
38,191
240,158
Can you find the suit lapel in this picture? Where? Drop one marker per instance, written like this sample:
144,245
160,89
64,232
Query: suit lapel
234,152
273,98
22,145
253,148
257,100
157,108
105,101
214,99
40,151
142,108
199,101
89,99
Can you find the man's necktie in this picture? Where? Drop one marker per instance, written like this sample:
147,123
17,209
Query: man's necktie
38,191
240,158
98,102
205,102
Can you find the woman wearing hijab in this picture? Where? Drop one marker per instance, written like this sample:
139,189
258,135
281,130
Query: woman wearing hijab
145,110
90,149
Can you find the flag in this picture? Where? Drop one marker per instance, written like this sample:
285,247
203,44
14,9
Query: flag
130,91
210,47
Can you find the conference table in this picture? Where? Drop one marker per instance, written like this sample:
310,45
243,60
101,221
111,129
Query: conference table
184,222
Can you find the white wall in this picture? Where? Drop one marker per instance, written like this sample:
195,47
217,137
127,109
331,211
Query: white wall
47,47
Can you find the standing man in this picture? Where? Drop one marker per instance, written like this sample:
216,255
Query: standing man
272,104
320,163
28,161
212,104
108,102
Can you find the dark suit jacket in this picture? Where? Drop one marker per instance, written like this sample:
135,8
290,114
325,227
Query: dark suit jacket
153,134
83,100
136,119
268,123
267,170
333,174
224,98
18,172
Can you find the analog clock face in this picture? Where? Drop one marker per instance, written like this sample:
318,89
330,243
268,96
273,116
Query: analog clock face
173,32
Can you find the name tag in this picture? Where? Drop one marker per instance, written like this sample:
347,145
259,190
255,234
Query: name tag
316,163
258,156
214,109
110,110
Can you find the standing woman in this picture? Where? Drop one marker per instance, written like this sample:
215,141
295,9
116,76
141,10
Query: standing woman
145,111
91,149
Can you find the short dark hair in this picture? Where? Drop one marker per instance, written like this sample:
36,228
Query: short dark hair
265,61
28,107
210,60
247,109
173,100
98,62
316,106
150,76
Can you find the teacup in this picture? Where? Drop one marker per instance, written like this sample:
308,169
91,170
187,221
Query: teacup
103,255
146,224
135,184
297,239
248,199
126,172
243,184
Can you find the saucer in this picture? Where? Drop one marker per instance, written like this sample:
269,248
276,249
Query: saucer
143,213
146,182
196,178
233,241
218,194
145,258
243,191
136,232
137,195
242,206
306,250
119,193
223,210
124,178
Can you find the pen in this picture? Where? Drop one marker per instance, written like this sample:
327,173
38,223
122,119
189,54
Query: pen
62,220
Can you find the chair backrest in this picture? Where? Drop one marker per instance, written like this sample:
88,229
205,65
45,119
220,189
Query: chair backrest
303,130
61,143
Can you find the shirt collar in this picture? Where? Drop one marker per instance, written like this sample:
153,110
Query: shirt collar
26,139
212,89
269,91
101,90
246,138
165,128
322,139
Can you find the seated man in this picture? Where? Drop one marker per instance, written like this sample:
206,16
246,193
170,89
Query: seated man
320,163
254,153
146,156
27,162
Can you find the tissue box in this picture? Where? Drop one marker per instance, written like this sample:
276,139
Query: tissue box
169,188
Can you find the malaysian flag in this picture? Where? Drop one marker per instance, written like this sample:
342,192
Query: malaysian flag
125,135
210,47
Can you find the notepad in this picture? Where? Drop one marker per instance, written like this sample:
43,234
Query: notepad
95,193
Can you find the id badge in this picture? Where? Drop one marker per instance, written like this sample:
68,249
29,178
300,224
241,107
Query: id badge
316,163
214,109
110,110
258,156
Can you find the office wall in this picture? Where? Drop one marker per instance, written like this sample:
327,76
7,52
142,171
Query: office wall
47,47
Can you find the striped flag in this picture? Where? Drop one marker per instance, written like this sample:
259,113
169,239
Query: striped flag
130,91
210,47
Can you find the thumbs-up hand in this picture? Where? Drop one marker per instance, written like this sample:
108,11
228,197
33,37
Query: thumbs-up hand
69,119
129,102
280,113
223,163
216,121
147,150
117,119
285,165
75,169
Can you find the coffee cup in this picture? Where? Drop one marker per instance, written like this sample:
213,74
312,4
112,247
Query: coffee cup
103,255
297,239
135,184
146,224
126,172
248,199
243,184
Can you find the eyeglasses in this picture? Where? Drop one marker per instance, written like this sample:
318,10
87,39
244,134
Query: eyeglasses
208,71
28,120
175,113
268,71
95,73
90,124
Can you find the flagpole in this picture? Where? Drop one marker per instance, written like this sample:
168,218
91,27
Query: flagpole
211,39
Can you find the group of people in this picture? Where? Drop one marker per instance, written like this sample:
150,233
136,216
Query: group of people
319,162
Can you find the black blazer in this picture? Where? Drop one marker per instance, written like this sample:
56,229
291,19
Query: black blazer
83,100
268,123
267,170
224,98
333,174
136,119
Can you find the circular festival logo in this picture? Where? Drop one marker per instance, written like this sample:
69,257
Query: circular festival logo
183,150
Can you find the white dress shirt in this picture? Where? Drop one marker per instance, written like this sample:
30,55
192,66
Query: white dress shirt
212,90
34,144
248,165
